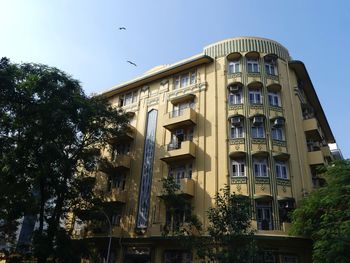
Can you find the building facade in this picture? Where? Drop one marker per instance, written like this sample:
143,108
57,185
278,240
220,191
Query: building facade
242,113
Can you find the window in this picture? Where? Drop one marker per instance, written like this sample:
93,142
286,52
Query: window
121,149
258,132
128,98
236,132
178,136
185,79
260,167
115,219
274,99
281,170
277,133
235,95
264,215
179,172
176,216
285,208
255,96
253,65
238,168
179,108
258,129
116,181
270,66
233,67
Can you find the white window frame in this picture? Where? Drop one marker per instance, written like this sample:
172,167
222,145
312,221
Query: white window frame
258,131
234,66
277,133
255,96
185,79
281,169
179,108
273,96
260,168
270,66
236,131
128,98
235,98
179,172
239,167
254,64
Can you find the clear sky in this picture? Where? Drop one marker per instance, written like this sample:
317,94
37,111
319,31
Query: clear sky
82,38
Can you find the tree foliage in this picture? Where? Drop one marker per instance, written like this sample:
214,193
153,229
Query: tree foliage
324,216
230,236
180,222
50,135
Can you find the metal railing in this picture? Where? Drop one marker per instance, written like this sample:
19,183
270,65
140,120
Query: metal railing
180,112
173,146
268,225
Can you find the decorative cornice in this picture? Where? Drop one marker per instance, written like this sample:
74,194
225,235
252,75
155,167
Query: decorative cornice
186,90
131,107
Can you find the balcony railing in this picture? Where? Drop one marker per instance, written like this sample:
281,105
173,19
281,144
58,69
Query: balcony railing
265,224
178,151
180,118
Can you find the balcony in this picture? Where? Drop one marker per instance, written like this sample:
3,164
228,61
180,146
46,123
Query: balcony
315,158
186,188
99,231
179,151
129,135
326,151
179,118
120,162
237,148
116,195
312,129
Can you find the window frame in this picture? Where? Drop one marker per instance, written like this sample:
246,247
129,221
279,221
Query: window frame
253,65
254,93
238,164
270,66
277,133
232,96
234,66
181,171
281,166
260,164
272,96
124,101
185,79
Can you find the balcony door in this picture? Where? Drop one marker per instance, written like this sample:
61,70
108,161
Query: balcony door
264,215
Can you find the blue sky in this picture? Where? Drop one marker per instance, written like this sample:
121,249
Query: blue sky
82,38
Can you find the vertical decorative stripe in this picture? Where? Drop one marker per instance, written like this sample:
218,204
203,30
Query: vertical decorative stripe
147,170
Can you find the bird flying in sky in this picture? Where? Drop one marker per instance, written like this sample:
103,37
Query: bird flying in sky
122,28
132,63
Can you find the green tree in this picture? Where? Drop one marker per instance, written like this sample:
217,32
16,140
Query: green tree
50,136
230,236
180,222
324,216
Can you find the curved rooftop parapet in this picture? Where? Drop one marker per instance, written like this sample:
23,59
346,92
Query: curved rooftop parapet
246,44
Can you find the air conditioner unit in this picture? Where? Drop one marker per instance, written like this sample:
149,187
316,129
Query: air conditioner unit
258,120
234,89
236,121
278,122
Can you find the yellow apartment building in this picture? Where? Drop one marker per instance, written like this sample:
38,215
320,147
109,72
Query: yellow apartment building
241,113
